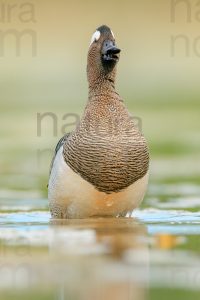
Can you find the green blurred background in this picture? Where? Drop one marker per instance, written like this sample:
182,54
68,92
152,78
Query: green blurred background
158,78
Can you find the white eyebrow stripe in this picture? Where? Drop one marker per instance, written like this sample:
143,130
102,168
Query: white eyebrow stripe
96,35
112,34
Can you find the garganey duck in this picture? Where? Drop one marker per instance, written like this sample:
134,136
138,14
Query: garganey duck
100,168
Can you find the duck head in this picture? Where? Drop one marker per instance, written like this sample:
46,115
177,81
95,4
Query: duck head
103,55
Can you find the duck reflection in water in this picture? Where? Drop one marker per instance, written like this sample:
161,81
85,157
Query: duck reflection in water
101,258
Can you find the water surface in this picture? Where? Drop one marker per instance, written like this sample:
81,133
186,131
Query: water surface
152,255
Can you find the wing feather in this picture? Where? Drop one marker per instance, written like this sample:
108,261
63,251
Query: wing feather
60,144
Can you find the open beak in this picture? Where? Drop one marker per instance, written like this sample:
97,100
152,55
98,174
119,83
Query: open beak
109,51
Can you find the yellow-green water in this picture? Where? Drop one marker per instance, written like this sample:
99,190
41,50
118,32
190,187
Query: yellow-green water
153,254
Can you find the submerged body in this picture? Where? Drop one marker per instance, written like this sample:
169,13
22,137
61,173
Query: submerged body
101,168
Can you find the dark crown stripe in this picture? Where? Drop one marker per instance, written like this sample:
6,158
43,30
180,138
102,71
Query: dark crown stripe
104,29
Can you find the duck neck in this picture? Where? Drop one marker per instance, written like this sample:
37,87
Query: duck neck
102,85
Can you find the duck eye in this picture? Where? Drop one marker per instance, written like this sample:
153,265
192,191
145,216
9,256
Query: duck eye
95,37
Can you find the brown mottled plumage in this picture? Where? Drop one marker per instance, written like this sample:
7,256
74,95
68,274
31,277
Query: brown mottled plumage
106,149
